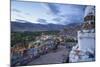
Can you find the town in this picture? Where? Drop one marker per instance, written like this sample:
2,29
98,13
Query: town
56,40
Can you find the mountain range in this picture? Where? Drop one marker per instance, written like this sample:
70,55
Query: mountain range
18,26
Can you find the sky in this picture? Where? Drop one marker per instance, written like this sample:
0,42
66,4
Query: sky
45,13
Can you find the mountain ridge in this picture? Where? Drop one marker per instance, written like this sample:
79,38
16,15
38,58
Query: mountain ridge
17,26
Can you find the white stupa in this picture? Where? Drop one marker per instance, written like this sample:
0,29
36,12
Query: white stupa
85,49
90,10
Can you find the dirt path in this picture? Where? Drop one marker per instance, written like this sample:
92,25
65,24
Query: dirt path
52,57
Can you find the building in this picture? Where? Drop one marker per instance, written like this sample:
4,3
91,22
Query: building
85,49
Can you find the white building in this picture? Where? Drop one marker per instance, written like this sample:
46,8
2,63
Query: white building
85,49
86,41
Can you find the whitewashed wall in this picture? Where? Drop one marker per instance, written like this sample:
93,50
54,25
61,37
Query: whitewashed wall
86,41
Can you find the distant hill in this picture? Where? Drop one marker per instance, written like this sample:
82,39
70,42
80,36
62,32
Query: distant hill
70,29
20,27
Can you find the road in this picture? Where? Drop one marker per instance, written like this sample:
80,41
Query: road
53,57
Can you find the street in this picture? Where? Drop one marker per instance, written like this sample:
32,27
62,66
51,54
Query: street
53,57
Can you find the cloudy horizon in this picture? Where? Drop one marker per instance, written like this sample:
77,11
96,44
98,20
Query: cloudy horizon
45,13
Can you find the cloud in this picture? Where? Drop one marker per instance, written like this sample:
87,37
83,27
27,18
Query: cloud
16,10
19,11
66,19
53,8
72,19
42,21
57,19
52,12
65,14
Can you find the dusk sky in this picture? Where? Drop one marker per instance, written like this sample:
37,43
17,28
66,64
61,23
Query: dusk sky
45,13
